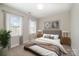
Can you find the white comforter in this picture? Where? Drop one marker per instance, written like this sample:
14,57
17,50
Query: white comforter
54,42
42,51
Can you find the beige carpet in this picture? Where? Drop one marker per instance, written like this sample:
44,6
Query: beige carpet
19,51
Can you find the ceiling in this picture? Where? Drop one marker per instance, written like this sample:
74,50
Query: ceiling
48,8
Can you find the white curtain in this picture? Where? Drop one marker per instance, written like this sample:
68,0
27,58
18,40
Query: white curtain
32,26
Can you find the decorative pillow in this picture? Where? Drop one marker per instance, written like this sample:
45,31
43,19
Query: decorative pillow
54,36
46,35
51,37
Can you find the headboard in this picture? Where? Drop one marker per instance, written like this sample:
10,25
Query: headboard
58,32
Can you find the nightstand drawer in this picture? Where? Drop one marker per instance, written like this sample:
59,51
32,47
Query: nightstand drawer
66,41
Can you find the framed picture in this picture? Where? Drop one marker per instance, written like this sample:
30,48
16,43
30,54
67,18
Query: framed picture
55,24
47,25
51,25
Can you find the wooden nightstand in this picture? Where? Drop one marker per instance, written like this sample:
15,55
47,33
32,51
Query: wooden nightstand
66,41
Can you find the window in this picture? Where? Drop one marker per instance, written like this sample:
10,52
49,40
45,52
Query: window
32,25
14,24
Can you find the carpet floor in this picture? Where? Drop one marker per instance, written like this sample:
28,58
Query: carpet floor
19,51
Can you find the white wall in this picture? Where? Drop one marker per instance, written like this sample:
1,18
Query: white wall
75,28
1,20
63,17
25,29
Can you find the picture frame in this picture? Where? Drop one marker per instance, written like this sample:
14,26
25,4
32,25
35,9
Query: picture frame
52,24
55,24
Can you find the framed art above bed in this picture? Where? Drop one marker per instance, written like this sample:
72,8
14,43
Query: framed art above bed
52,24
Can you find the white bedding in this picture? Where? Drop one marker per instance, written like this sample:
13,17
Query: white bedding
42,51
46,40
54,42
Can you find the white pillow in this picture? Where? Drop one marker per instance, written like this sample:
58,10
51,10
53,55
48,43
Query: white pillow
54,36
50,36
46,35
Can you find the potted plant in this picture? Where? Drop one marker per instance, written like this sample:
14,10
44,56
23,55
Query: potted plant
4,40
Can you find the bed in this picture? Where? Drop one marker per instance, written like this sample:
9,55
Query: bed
47,47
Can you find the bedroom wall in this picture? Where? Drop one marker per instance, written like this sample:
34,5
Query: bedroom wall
1,19
63,17
75,28
15,39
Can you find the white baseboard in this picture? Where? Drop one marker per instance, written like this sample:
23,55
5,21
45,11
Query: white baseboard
14,45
